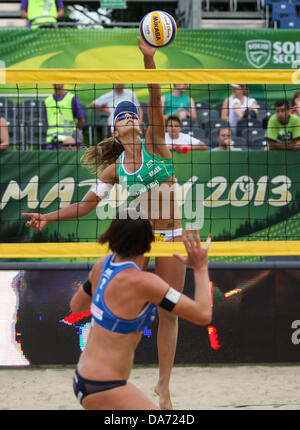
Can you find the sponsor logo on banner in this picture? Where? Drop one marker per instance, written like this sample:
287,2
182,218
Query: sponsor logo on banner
258,52
261,52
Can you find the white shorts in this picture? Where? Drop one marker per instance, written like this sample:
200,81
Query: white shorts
166,235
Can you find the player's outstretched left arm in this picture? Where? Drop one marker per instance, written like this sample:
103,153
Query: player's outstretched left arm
76,210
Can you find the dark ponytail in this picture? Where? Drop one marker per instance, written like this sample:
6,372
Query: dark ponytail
129,234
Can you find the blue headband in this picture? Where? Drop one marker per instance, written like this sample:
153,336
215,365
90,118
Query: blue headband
124,107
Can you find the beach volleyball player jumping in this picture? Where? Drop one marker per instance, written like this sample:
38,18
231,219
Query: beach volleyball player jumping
143,165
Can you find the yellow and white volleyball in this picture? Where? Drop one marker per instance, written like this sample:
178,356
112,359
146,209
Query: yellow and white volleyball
158,28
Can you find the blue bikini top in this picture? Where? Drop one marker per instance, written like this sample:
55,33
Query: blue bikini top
104,317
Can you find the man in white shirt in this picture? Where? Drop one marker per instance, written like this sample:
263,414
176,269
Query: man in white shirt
176,140
108,101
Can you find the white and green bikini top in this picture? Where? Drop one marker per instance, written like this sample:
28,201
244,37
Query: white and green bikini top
153,171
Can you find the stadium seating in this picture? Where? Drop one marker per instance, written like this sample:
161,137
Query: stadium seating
268,9
239,142
214,126
246,124
7,108
206,115
190,123
263,105
27,125
272,2
263,117
196,132
32,110
282,10
219,107
252,134
97,127
205,112
35,135
202,105
211,137
33,123
11,112
289,23
259,144
264,112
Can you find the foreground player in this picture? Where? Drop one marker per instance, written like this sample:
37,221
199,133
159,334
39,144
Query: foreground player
123,300
145,165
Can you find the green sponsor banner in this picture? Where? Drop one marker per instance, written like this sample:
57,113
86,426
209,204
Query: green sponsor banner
117,48
233,195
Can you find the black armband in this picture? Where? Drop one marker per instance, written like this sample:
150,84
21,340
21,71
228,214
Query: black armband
87,286
170,300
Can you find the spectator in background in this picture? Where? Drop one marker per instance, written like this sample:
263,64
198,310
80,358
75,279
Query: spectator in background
283,131
4,136
42,13
238,105
295,105
64,118
224,139
176,140
69,144
179,103
108,101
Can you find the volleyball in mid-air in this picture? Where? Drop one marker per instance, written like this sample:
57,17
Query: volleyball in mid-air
158,28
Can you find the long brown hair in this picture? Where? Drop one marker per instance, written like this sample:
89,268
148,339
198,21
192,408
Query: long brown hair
102,155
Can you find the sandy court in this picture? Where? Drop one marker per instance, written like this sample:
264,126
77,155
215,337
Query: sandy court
193,388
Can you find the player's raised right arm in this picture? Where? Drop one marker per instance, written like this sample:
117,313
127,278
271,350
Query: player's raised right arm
155,134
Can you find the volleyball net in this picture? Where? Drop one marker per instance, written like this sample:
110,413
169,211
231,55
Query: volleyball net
247,197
